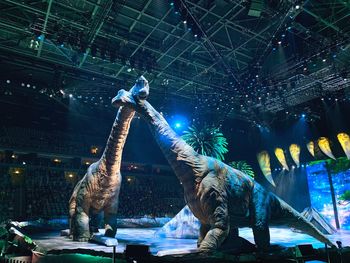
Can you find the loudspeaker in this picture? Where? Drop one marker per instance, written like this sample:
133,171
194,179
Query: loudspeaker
304,251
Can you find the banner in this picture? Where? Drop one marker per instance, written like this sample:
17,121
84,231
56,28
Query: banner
311,147
265,166
344,141
281,158
325,147
294,151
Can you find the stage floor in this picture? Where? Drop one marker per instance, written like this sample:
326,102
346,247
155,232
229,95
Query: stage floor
166,246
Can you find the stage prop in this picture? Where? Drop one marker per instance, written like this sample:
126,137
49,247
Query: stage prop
98,191
336,204
344,141
325,147
265,166
294,150
311,148
281,158
221,197
322,224
183,225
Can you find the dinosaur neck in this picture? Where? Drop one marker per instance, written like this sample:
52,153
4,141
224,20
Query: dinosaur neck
182,158
112,155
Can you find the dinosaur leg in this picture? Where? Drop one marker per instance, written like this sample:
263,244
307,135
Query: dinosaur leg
95,221
110,218
203,230
72,208
81,225
219,229
261,214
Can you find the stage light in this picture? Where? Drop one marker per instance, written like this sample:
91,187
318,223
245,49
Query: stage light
279,42
297,7
322,99
172,4
293,167
303,115
24,163
8,81
324,60
129,70
28,85
185,22
177,125
70,95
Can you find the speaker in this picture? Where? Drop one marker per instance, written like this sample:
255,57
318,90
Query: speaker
304,251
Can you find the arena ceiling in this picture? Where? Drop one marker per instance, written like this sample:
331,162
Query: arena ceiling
238,58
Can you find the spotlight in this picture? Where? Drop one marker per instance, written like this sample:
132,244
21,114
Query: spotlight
8,81
293,167
177,125
303,115
195,35
297,7
322,99
185,22
172,4
279,42
28,85
70,95
324,60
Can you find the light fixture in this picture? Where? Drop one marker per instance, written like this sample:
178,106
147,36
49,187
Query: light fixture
297,7
70,95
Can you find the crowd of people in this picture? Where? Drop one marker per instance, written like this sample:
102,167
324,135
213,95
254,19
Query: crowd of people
33,192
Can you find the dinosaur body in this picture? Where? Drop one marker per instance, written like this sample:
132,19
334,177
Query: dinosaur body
98,191
222,198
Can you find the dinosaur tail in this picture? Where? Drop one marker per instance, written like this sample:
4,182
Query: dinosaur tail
284,214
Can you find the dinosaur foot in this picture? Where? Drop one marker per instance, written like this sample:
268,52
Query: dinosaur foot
110,232
81,239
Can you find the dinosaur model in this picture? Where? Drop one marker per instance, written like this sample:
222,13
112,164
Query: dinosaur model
98,191
222,198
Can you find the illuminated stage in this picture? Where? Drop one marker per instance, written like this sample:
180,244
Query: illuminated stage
166,246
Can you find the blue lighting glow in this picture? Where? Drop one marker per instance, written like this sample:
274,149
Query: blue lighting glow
178,125
303,115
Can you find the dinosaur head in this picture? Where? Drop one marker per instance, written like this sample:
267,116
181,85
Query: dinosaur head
141,89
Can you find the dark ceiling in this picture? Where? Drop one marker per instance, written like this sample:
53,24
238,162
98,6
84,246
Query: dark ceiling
240,59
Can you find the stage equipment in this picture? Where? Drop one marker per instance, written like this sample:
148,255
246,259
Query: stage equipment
281,158
311,148
294,150
256,7
264,163
221,197
325,147
344,141
99,189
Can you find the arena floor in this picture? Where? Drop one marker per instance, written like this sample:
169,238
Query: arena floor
53,241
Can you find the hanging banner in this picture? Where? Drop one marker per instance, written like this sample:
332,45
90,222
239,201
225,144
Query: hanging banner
294,151
344,140
325,147
281,158
264,162
311,147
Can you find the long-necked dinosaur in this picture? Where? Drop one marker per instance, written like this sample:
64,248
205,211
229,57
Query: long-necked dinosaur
98,191
222,198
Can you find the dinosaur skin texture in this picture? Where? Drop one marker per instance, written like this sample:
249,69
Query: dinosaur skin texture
98,191
222,198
